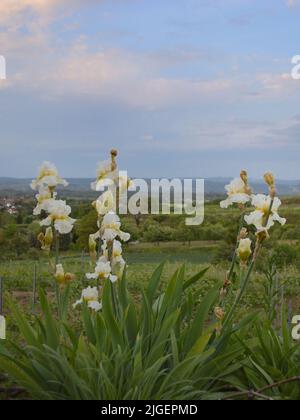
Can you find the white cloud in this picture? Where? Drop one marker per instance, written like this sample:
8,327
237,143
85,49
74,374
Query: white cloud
277,84
292,3
12,10
136,80
25,13
41,63
127,78
115,75
232,134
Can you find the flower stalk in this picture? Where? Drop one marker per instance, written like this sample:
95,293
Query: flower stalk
58,221
263,218
105,245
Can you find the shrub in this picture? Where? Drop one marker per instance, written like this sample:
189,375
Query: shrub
286,255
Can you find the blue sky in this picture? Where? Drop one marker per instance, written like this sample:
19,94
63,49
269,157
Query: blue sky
181,87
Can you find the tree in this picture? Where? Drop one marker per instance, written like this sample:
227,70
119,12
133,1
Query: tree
84,227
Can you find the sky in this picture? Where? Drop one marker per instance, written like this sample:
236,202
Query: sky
182,88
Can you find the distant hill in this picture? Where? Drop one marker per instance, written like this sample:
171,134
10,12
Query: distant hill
216,186
80,187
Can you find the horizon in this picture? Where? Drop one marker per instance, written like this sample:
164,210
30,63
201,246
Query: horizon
220,178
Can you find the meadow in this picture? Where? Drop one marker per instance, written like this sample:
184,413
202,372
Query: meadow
142,260
20,277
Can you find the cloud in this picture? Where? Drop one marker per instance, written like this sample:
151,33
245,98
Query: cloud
111,74
123,78
235,134
127,78
22,13
11,10
277,85
41,63
138,80
292,3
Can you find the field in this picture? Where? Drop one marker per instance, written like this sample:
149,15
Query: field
210,246
17,271
142,259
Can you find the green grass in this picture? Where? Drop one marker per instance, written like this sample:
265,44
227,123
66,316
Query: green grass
142,259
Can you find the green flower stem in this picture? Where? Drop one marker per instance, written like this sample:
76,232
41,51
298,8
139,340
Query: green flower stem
231,271
114,297
113,291
57,291
234,258
99,240
243,273
99,250
269,212
240,294
113,285
247,276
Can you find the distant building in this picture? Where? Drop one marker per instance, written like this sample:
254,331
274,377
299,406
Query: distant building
8,205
